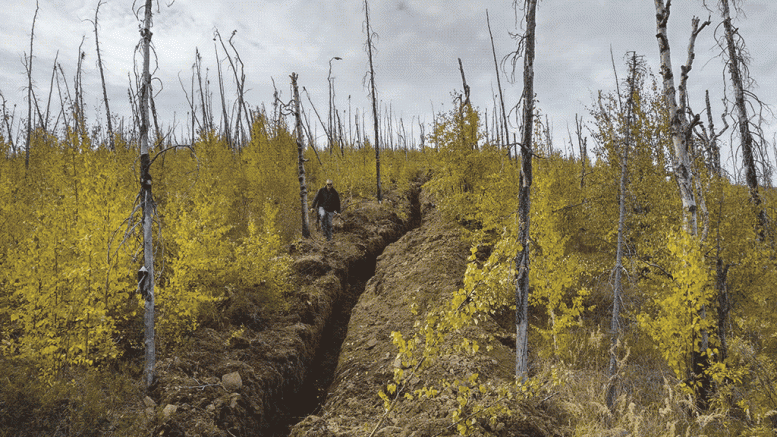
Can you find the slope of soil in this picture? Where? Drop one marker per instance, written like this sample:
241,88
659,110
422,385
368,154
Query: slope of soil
424,267
252,376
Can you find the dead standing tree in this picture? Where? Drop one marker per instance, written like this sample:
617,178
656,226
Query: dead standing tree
29,90
8,123
681,129
102,78
226,125
499,85
636,65
242,109
303,189
146,273
734,49
376,120
522,265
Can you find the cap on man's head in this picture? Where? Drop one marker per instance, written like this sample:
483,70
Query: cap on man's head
329,182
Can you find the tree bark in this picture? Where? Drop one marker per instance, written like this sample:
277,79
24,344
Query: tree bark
740,109
29,90
8,121
374,101
226,125
681,129
615,333
582,143
147,205
51,91
680,126
522,263
102,79
207,121
499,85
303,188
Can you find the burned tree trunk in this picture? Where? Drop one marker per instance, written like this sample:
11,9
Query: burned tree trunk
522,264
146,276
226,125
374,97
303,188
612,392
29,90
499,85
735,60
102,79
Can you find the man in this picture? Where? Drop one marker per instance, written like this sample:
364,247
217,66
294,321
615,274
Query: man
327,203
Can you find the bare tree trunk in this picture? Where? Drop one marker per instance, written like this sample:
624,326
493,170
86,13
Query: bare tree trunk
499,85
617,289
681,129
79,93
147,204
8,120
735,58
227,125
29,89
711,140
102,79
522,265
331,118
51,91
374,100
303,188
464,84
240,82
680,126
206,122
582,143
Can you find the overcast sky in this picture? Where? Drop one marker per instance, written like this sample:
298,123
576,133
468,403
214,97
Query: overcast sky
416,62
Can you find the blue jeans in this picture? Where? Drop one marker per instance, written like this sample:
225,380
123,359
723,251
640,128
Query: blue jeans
326,223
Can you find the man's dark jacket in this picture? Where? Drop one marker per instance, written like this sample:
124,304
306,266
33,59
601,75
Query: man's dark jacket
330,200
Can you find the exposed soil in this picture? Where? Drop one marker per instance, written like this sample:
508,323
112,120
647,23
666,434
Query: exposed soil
284,360
423,268
316,369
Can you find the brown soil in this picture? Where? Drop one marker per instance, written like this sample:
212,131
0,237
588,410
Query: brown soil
275,350
424,267
316,369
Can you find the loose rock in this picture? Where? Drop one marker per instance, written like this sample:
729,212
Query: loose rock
232,382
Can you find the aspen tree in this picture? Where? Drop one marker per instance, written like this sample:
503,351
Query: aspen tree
681,129
146,274
680,126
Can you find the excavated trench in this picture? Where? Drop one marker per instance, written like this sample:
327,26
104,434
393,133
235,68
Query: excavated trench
249,379
311,395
